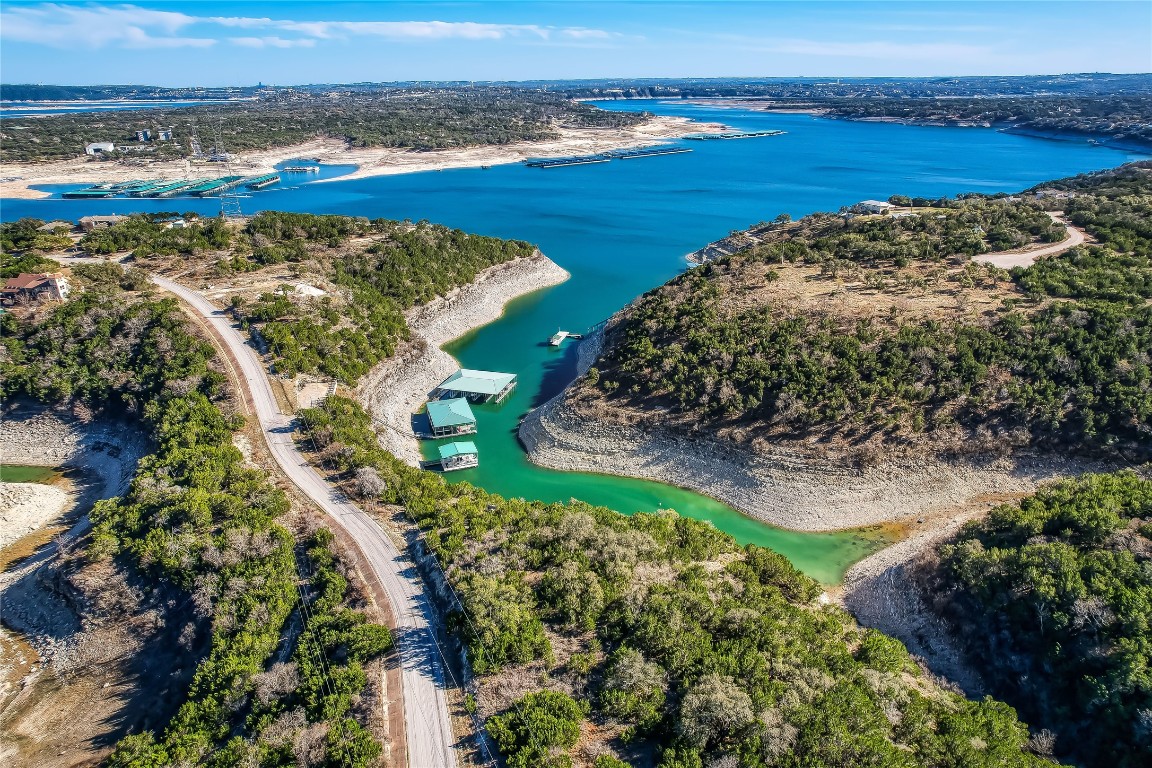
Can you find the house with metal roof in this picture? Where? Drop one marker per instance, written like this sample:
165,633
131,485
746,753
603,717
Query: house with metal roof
477,386
449,418
458,455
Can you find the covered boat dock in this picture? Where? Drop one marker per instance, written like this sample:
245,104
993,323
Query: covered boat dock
477,386
449,418
458,455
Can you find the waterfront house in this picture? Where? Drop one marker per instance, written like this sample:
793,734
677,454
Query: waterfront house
449,418
873,206
458,455
89,223
99,148
49,286
477,386
53,227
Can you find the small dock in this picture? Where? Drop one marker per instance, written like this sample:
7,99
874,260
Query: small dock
733,135
559,337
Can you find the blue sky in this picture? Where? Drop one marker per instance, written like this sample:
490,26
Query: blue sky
293,42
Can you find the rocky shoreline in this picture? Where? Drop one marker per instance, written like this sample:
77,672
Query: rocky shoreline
394,390
104,455
783,487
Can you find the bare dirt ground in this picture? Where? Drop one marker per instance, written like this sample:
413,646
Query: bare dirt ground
381,161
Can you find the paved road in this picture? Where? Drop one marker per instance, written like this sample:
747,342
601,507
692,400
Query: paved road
1009,259
427,723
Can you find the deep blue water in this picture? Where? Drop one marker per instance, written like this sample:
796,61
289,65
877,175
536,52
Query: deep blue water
623,227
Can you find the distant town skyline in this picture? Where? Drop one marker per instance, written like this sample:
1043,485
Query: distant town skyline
241,43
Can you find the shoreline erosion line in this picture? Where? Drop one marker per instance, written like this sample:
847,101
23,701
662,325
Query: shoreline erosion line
395,389
784,488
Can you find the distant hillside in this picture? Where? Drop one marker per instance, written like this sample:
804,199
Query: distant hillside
419,119
878,333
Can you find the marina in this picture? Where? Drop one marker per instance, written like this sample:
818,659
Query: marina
632,154
260,182
734,135
163,188
560,162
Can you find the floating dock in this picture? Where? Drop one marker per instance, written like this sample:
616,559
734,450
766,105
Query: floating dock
176,188
222,184
90,193
558,162
733,135
260,182
559,337
165,190
632,154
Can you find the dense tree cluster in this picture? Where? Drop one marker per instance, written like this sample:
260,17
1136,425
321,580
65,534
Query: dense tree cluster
344,336
197,518
146,234
691,649
1065,357
1053,598
24,237
422,119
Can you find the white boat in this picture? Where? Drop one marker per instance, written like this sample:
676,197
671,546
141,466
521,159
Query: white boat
558,338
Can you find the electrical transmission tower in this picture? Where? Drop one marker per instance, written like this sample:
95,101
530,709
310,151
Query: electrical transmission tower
229,201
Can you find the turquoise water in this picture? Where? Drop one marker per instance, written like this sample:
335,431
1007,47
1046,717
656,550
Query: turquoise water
622,228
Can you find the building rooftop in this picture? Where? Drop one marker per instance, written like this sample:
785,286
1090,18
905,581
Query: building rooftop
478,382
877,203
463,448
26,280
450,413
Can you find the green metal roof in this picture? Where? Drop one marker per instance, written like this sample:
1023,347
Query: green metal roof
479,382
458,449
450,413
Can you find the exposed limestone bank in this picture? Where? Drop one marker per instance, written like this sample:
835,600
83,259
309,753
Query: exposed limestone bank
394,390
782,487
883,592
105,455
26,507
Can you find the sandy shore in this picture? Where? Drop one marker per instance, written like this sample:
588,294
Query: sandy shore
783,487
394,390
380,161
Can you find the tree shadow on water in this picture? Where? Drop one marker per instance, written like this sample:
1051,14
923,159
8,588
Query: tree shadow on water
559,371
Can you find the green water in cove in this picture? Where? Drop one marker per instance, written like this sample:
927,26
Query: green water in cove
23,473
622,228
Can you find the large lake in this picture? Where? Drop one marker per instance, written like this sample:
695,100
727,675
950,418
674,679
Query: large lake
622,228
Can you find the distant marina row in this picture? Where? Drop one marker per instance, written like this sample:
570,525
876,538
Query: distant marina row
632,154
174,187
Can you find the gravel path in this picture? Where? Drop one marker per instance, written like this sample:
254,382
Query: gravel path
394,390
1026,258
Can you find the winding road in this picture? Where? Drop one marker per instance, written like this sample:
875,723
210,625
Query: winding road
428,725
1026,258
